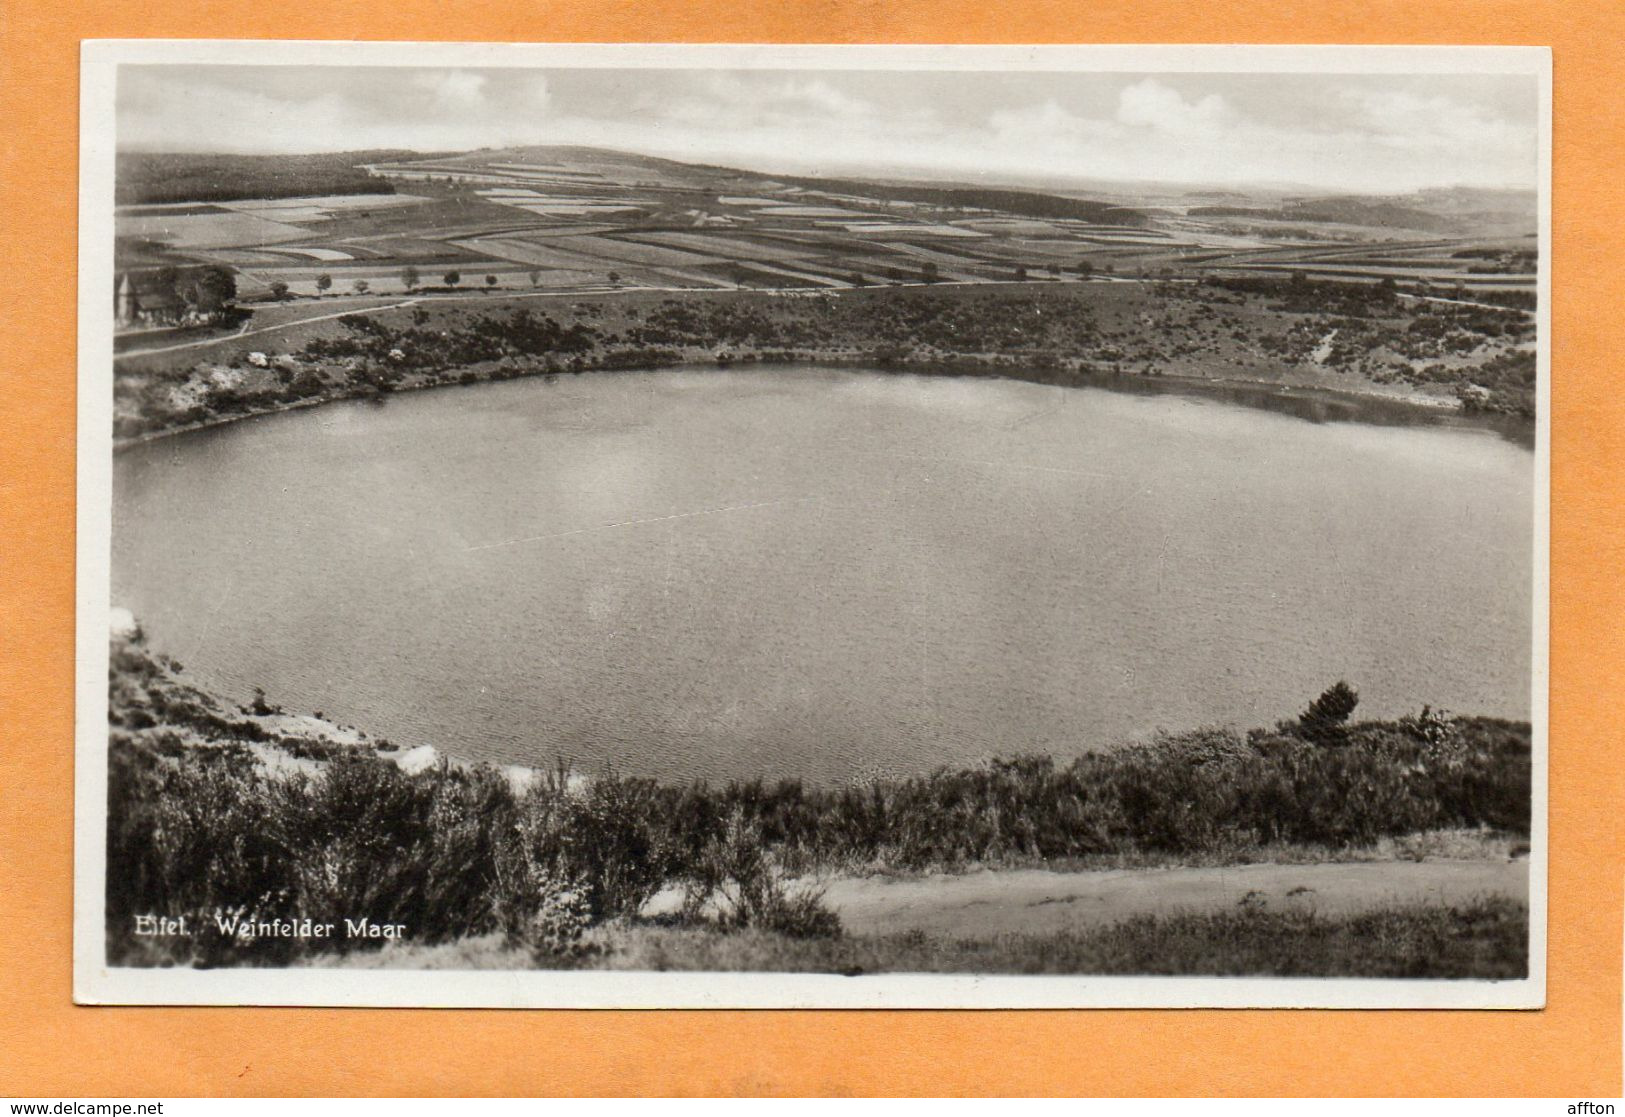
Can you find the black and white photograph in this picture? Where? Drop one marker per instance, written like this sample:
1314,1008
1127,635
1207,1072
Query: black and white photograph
768,526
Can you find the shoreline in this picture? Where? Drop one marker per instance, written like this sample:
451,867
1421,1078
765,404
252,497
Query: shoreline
1361,406
285,743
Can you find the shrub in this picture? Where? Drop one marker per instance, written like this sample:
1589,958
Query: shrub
1324,719
736,876
607,840
558,922
259,707
537,906
190,840
1170,801
1301,793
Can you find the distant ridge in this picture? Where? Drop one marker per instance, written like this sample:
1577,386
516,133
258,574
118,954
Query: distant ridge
705,176
1024,203
146,178
1448,210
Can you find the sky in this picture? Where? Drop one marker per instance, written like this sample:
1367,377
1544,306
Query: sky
1383,133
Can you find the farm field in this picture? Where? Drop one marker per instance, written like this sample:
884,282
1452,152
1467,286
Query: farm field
562,218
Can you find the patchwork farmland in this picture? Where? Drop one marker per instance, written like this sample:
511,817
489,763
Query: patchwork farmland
588,220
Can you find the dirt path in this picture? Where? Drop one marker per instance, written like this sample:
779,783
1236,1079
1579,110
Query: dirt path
246,332
1035,900
1464,302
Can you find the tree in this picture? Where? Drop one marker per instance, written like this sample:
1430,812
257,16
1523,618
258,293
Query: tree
279,290
409,277
1021,274
211,290
1324,720
453,278
614,278
323,282
535,277
929,272
490,281
361,286
1085,268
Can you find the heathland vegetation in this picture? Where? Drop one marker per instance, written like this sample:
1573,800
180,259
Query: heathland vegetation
240,817
1367,338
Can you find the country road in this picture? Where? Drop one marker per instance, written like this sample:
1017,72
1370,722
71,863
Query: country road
1463,302
1038,901
240,334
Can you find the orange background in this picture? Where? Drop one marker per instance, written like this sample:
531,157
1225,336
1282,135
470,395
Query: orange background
48,1047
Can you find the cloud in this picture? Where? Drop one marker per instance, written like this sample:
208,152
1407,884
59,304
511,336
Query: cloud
1047,122
1151,104
429,110
1340,132
1152,131
733,102
454,90
1404,119
1355,137
817,96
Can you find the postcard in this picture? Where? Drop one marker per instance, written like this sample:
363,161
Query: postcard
767,526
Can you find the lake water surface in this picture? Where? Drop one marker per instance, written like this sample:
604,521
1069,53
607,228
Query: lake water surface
824,573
